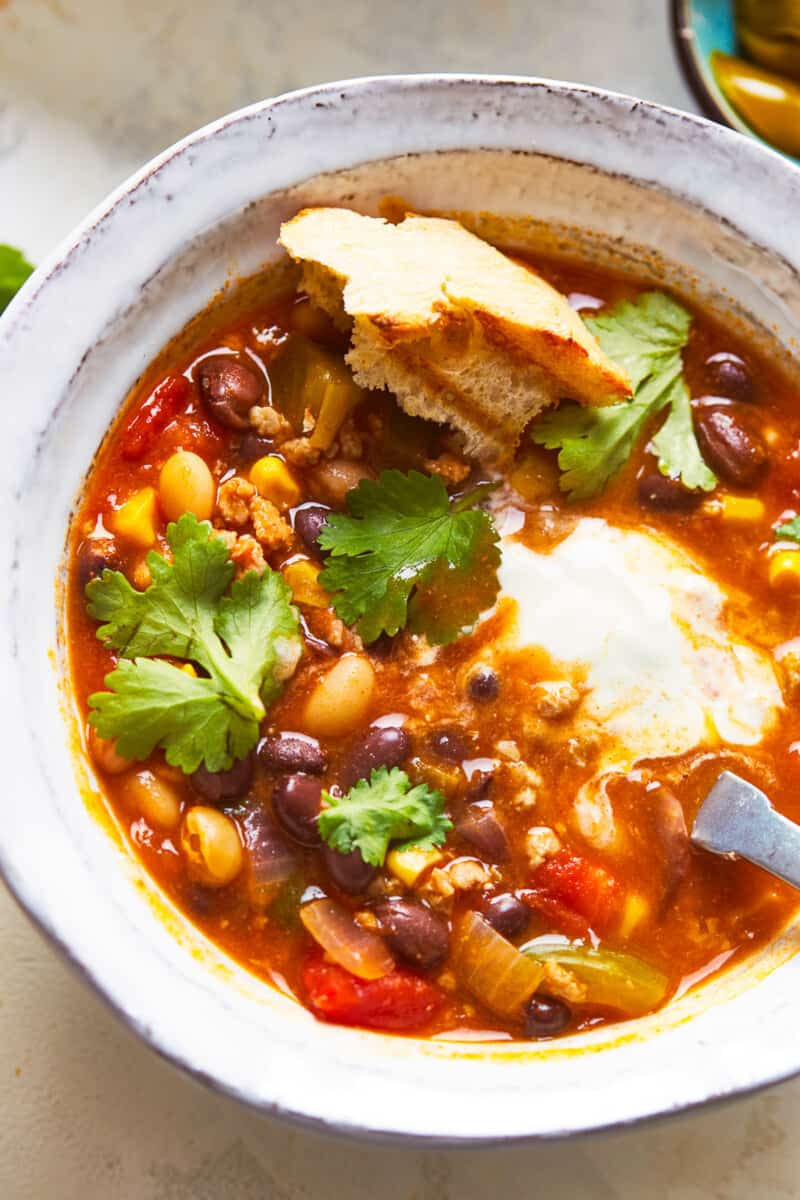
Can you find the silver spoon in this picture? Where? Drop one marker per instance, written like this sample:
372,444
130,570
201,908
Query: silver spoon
737,820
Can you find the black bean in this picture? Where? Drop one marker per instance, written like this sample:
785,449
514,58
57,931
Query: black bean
735,452
215,786
387,747
728,375
382,647
480,786
296,801
450,744
292,752
203,901
483,685
413,932
308,521
482,829
230,389
661,491
545,1016
348,871
506,913
252,447
94,557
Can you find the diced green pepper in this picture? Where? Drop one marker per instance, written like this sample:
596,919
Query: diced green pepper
613,979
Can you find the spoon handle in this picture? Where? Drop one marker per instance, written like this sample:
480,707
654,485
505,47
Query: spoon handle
737,820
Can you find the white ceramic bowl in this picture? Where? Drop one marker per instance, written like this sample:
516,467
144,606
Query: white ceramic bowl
627,182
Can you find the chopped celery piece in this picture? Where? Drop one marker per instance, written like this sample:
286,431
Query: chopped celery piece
613,979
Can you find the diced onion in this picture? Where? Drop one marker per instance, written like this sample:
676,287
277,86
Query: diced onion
270,859
492,968
612,979
358,950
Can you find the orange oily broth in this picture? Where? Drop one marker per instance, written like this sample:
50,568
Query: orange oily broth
721,908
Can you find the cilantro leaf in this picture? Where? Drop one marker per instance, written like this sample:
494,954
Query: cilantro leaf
646,337
790,531
175,615
245,638
406,555
380,810
153,703
14,270
676,445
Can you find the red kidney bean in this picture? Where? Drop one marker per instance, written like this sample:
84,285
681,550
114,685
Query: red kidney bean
736,453
481,828
413,932
728,375
292,752
230,389
348,871
387,747
545,1016
296,801
483,685
506,913
450,744
308,520
215,786
661,492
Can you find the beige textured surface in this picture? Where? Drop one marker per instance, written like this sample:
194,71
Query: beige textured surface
88,90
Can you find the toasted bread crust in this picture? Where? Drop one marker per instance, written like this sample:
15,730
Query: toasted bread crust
458,331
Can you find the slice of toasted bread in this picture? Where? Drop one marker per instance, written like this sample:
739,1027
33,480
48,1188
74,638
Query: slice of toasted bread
459,332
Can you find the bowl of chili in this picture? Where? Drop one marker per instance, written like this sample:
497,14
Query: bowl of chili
128,879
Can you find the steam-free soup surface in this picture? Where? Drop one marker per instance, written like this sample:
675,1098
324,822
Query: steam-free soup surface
409,815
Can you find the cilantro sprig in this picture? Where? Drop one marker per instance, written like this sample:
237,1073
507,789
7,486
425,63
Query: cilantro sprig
406,555
244,637
382,809
646,337
789,531
14,270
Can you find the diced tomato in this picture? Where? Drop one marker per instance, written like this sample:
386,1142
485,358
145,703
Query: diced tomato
557,914
163,405
399,1002
569,886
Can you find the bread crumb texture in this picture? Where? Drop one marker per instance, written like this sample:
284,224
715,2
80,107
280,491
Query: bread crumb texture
457,331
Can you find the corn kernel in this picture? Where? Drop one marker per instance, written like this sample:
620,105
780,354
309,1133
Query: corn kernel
409,865
137,520
274,481
635,910
188,669
302,578
743,509
784,569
